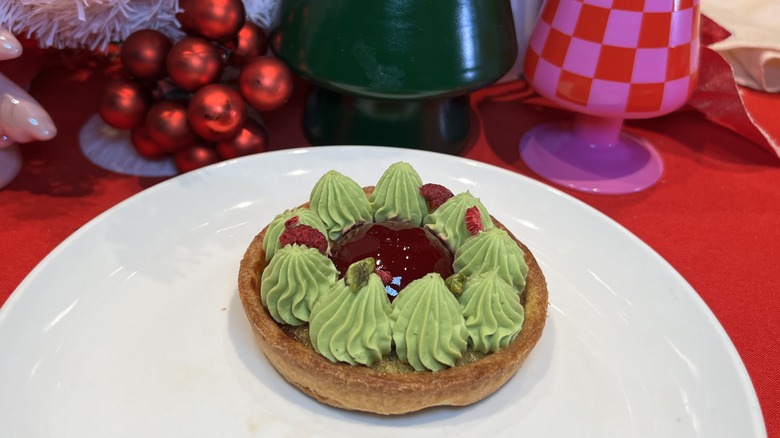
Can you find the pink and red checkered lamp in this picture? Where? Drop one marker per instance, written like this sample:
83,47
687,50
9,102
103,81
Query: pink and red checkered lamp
608,60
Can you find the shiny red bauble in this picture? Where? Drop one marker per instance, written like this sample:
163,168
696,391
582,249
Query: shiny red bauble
143,54
216,112
266,83
219,20
144,145
123,104
194,62
250,140
195,157
250,43
168,127
406,251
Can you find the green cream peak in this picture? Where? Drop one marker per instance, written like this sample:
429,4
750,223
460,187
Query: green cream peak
448,221
428,329
493,313
492,249
276,228
397,197
352,326
293,280
339,202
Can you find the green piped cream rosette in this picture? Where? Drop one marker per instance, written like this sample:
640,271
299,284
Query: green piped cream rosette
340,203
428,328
428,325
293,280
489,250
351,322
448,223
494,315
397,197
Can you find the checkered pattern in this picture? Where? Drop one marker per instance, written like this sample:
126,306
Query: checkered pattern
617,58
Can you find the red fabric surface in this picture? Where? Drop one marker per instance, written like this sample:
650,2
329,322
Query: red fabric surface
713,216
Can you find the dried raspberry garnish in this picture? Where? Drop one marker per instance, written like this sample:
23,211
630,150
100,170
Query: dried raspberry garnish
303,235
474,221
386,276
435,195
289,223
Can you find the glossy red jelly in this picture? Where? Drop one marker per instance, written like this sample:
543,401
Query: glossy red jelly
406,251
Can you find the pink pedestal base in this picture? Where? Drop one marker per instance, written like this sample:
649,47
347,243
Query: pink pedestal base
560,153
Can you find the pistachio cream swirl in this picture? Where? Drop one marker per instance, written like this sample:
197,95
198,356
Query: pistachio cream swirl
293,280
339,202
352,326
397,195
448,222
276,228
493,313
428,329
492,249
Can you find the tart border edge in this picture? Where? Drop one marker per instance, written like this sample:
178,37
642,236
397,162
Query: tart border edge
365,389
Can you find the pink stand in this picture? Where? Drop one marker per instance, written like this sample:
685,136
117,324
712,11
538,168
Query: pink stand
592,156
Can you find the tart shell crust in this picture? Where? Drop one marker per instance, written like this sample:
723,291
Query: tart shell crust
365,389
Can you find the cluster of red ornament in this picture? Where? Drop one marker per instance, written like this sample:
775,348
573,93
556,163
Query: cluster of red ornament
177,101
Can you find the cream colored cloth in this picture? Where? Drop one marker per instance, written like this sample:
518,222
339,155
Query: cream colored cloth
753,49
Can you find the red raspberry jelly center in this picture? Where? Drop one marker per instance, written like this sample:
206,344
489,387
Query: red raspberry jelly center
406,251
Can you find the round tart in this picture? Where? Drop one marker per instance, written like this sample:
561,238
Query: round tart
389,386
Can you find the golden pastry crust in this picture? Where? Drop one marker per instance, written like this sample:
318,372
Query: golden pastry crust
366,389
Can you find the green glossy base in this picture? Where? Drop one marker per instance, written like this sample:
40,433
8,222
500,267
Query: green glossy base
440,125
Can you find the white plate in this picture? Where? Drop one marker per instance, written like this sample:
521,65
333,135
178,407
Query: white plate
133,327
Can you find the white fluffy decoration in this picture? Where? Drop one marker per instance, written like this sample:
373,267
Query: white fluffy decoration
262,12
94,24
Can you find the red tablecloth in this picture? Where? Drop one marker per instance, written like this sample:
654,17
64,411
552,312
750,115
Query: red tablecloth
714,216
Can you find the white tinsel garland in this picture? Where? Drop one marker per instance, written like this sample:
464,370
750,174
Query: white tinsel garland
94,24
262,12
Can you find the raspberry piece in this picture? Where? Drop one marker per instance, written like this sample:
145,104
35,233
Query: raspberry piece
474,221
435,195
303,235
386,276
289,223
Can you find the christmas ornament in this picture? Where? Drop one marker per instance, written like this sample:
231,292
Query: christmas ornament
195,157
144,145
219,20
124,103
144,54
94,24
266,83
168,127
216,112
251,42
250,140
194,62
193,109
